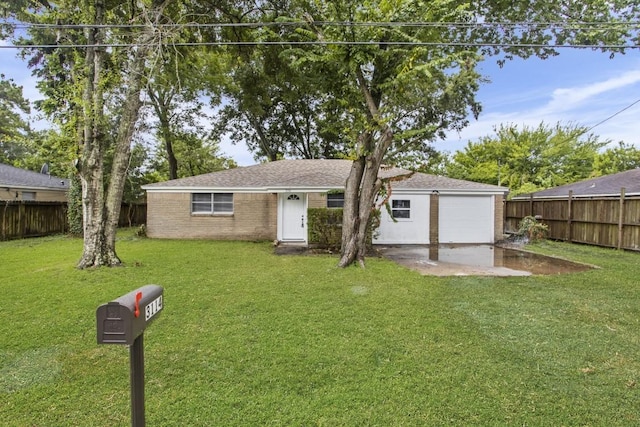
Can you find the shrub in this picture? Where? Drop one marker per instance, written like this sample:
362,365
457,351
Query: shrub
141,231
325,227
532,229
74,206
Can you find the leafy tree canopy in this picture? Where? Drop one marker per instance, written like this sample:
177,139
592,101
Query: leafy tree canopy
14,127
529,159
619,158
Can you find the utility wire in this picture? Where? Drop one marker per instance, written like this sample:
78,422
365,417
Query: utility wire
544,25
329,43
613,115
500,26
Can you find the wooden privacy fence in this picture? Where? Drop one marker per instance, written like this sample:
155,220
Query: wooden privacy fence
20,219
602,221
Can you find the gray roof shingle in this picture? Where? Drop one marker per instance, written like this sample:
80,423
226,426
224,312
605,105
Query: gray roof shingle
608,185
307,174
22,178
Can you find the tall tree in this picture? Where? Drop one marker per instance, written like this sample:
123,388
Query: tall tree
528,159
271,107
196,153
395,93
177,93
83,83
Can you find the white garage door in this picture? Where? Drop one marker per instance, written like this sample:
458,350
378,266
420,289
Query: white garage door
466,219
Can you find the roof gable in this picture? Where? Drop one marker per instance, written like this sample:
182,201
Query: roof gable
284,175
608,185
22,178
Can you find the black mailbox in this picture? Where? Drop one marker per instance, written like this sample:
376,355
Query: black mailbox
122,320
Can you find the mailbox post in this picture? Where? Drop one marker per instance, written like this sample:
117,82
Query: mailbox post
123,321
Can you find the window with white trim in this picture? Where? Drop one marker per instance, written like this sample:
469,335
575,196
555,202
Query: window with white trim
401,209
335,200
212,203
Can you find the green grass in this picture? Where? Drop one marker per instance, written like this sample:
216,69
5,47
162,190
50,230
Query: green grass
250,338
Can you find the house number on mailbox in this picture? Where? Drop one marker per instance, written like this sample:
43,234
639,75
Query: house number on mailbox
153,307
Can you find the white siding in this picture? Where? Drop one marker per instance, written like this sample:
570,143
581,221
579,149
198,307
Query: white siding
414,230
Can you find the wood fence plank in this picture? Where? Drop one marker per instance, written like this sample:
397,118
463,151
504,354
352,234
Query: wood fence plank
20,219
603,221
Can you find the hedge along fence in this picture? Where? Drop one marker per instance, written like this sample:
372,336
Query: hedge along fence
600,221
22,218
325,227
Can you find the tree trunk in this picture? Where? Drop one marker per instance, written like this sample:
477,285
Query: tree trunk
161,104
171,156
95,248
102,211
363,183
128,120
362,188
351,213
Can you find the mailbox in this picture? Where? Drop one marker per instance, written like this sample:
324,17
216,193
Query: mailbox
124,319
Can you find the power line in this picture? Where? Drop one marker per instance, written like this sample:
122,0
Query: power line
493,26
331,43
613,115
496,24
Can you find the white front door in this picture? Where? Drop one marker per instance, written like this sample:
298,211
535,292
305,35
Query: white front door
294,217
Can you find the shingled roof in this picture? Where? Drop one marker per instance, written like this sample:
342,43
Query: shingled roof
604,186
286,175
21,178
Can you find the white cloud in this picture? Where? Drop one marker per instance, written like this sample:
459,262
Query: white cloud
586,104
565,99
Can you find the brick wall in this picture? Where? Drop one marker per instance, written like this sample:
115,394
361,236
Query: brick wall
434,219
498,230
254,218
317,200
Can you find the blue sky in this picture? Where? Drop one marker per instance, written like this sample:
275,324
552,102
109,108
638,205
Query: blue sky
581,87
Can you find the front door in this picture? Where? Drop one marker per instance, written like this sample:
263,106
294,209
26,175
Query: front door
294,217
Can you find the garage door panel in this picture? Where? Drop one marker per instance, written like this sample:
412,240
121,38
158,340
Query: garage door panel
466,219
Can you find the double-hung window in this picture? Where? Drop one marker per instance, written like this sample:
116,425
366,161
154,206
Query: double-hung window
401,209
335,200
212,203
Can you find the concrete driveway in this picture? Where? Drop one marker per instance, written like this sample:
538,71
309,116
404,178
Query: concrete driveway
454,260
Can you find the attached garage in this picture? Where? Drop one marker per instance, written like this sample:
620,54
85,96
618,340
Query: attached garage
427,209
466,219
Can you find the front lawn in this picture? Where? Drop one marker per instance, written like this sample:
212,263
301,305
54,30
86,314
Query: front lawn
250,338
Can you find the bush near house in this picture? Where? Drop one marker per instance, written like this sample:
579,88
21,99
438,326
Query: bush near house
325,227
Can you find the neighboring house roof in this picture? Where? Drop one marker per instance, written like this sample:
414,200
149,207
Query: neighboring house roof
21,178
608,185
309,175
